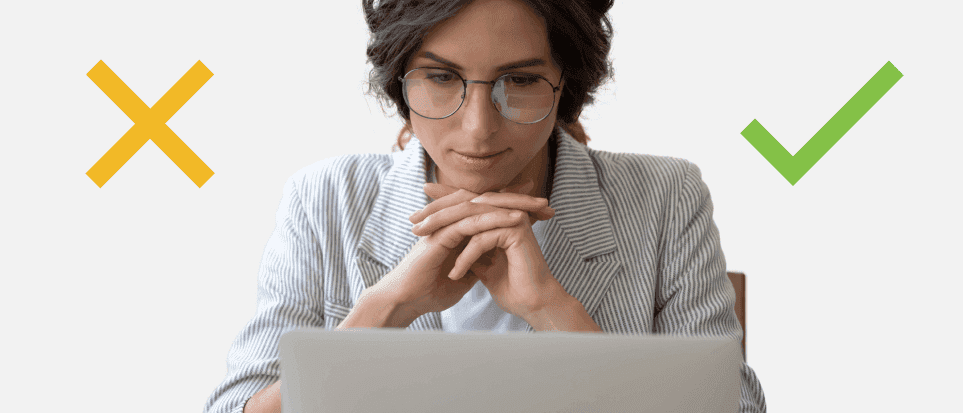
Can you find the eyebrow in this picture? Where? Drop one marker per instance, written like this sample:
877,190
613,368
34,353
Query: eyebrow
502,68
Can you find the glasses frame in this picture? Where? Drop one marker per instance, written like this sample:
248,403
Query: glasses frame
464,91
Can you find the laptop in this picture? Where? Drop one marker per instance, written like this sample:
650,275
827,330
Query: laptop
395,370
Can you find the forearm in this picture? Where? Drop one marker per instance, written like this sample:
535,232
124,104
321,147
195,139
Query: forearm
566,314
268,400
375,308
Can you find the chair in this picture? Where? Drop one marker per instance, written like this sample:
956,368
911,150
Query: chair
738,281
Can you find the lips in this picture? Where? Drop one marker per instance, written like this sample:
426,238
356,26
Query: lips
479,154
478,161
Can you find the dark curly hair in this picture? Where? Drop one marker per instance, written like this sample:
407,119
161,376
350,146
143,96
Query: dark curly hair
579,34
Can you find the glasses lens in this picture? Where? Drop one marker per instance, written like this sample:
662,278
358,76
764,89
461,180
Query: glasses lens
523,98
433,93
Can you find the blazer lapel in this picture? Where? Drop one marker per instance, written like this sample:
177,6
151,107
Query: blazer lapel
387,237
579,243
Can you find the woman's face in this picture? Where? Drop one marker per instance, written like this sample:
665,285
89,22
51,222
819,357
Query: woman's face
484,37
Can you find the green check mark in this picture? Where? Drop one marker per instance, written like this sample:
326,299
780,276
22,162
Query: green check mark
794,167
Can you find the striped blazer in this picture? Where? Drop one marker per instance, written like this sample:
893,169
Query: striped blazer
632,239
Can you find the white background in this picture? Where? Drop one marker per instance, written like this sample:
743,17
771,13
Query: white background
127,297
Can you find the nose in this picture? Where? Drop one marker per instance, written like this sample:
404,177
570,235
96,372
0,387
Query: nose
479,118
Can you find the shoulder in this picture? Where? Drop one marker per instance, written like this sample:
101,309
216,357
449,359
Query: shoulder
658,173
340,173
668,187
342,186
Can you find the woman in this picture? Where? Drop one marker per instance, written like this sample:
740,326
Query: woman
491,91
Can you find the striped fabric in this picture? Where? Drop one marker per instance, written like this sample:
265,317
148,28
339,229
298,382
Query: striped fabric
633,240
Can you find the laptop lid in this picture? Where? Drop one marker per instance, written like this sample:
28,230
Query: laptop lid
394,370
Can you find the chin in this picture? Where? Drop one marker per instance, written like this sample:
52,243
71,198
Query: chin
478,184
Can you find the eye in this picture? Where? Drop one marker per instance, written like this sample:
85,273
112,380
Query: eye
521,79
441,78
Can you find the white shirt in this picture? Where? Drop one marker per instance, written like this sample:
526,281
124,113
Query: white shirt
477,311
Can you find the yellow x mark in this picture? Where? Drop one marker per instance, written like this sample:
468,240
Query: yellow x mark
150,123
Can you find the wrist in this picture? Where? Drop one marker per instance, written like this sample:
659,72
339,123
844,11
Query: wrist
562,313
376,308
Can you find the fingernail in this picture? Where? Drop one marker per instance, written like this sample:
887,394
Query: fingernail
516,214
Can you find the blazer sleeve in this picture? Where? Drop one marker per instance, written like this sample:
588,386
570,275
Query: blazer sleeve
695,297
289,296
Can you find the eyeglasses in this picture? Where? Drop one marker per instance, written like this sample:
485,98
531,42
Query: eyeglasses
437,93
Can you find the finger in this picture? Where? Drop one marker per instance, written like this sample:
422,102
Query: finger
475,250
443,202
453,214
452,235
538,210
466,215
538,206
446,196
448,216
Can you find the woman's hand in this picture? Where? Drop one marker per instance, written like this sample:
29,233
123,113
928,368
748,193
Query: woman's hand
420,283
507,259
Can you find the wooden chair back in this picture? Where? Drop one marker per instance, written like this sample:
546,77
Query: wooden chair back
738,280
